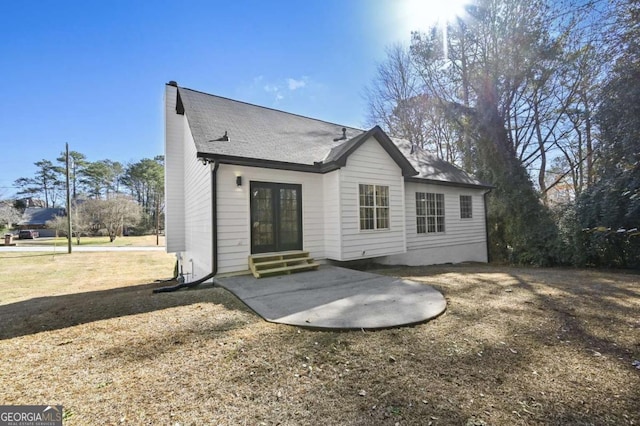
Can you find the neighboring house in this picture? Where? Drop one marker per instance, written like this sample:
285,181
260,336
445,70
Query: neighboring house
36,218
243,179
32,202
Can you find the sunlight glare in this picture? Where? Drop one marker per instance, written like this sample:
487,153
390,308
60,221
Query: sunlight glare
421,15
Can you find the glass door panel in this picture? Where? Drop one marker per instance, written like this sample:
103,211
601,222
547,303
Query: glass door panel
262,220
276,217
289,223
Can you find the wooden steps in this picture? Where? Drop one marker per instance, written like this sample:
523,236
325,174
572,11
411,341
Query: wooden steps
279,263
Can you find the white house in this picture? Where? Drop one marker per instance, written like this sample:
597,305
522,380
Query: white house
243,179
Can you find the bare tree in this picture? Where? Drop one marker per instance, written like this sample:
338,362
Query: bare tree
395,83
112,214
397,101
81,223
9,215
492,73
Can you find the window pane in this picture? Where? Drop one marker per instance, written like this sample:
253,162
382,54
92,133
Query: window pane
382,218
439,212
420,204
366,195
429,212
262,216
431,206
289,226
366,218
465,207
431,224
382,196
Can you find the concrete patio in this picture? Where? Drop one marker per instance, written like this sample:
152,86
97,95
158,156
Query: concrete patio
337,298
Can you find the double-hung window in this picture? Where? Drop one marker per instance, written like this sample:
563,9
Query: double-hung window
374,207
429,212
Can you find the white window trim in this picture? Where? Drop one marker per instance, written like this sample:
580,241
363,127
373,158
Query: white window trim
470,206
426,215
375,209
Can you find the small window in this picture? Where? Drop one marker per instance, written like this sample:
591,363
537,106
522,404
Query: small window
374,207
466,211
429,212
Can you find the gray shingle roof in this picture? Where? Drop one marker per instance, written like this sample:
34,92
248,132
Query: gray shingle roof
432,168
258,132
40,216
261,133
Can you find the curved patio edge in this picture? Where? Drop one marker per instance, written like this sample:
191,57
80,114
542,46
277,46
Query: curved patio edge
338,298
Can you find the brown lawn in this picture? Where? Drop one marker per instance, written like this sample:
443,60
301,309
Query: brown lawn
61,242
515,347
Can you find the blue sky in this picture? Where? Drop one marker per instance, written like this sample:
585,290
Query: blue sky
92,73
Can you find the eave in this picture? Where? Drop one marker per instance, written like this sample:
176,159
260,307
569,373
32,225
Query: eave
448,183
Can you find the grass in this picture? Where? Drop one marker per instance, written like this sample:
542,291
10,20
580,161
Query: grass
134,241
27,275
515,347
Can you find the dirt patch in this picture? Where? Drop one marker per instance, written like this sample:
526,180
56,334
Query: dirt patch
515,346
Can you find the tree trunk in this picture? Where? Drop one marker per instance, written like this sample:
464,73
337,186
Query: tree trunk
589,142
543,154
466,137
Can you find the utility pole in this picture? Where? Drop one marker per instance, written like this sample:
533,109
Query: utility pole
68,200
157,220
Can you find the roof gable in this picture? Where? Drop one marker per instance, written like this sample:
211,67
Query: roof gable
339,154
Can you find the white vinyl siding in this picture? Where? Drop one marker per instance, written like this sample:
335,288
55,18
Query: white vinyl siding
457,231
332,228
370,164
234,237
197,216
463,240
174,173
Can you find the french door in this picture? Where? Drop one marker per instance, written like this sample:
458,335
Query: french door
276,217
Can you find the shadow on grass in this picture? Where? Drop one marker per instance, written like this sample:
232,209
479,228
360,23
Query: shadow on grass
573,296
585,306
58,312
505,323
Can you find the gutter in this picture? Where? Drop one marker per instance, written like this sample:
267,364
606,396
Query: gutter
486,224
449,183
214,238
